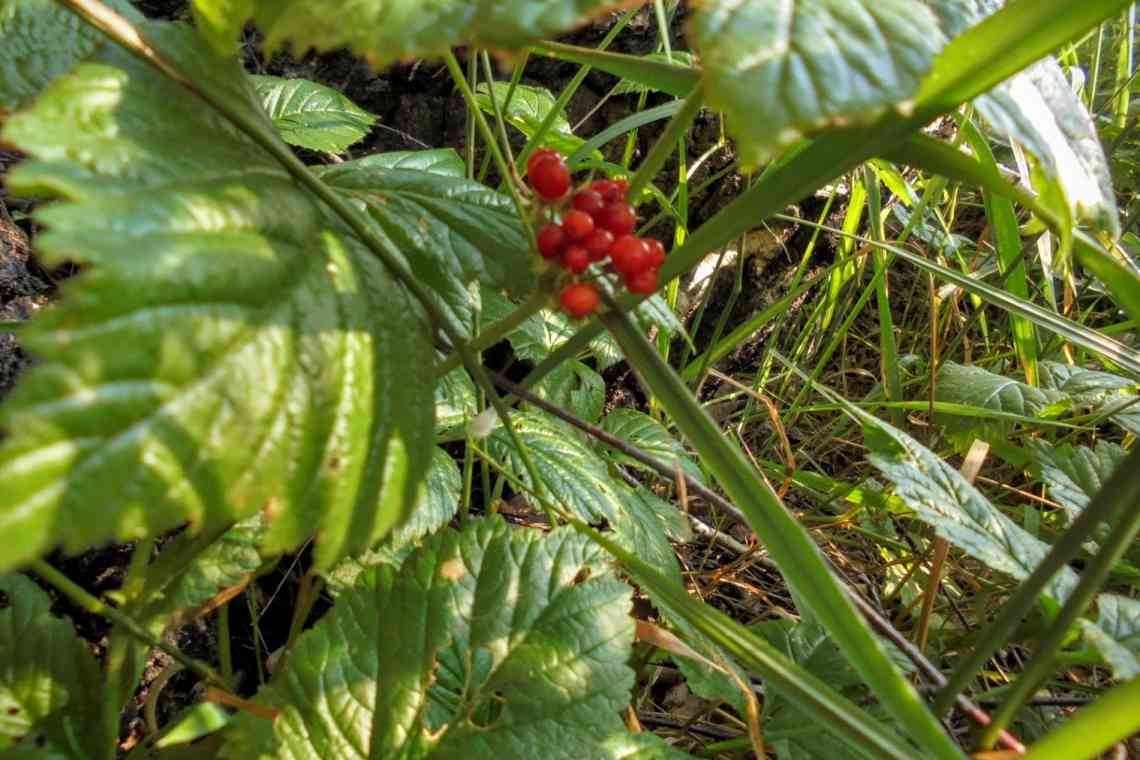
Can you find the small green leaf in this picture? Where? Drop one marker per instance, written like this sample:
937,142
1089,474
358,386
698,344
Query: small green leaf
1100,392
974,386
442,161
649,435
194,723
1074,474
275,365
576,388
453,232
541,334
485,643
40,40
311,115
46,672
456,401
810,65
1116,634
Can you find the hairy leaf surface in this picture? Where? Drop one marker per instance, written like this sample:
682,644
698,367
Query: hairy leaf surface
224,352
1074,474
485,643
807,65
311,115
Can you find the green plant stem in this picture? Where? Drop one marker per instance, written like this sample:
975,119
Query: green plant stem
469,131
1119,494
96,606
667,142
507,169
790,546
1096,571
498,331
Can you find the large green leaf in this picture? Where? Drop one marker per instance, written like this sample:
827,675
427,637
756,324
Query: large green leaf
437,505
453,232
649,435
806,65
46,672
442,161
41,40
224,351
486,643
1100,392
385,31
1039,109
311,115
1074,474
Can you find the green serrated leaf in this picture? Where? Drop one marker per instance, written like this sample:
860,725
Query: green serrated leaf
456,401
538,625
436,507
809,65
650,436
680,58
1116,634
1074,474
442,161
576,388
40,40
576,476
274,364
1100,392
386,31
941,497
46,671
311,115
453,232
541,334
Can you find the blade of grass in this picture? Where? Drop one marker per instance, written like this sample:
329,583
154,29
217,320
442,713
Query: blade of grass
672,79
788,543
888,348
1094,729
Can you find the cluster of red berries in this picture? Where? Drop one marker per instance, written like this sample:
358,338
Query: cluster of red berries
598,224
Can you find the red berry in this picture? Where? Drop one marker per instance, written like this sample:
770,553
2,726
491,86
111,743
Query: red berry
622,187
589,201
618,218
579,300
550,177
539,156
551,238
577,225
656,252
608,189
642,283
575,259
598,244
629,255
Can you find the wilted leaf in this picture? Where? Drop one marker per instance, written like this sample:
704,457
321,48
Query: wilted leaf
486,643
274,364
311,115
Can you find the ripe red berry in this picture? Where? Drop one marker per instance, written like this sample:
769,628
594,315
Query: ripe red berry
575,259
643,283
577,225
598,244
551,238
589,201
622,187
656,252
539,156
618,218
579,300
629,255
550,177
608,189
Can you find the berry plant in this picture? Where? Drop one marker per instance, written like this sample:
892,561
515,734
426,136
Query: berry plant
782,405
